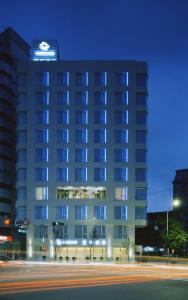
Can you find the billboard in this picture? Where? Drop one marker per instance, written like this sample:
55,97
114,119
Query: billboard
44,50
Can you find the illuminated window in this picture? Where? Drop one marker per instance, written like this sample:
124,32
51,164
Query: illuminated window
100,212
81,212
120,174
121,78
41,136
81,98
100,136
121,136
63,117
62,212
120,212
62,174
62,155
121,98
63,79
41,212
121,193
81,174
41,155
81,136
42,78
42,117
100,117
62,136
121,117
81,155
120,155
41,193
100,174
100,98
82,79
99,155
100,78
63,98
41,174
81,117
42,98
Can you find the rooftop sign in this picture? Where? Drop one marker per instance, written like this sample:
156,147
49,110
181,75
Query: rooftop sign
44,50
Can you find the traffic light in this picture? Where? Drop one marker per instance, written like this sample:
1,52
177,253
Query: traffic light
6,221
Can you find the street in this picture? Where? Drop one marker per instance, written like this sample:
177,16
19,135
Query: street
93,281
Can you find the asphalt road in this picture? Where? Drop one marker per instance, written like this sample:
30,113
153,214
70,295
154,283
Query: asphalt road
101,282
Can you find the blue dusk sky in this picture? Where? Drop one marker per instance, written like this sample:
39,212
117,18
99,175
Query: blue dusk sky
151,30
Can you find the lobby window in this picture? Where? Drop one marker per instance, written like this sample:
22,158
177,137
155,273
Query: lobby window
120,212
62,212
141,80
41,212
121,193
21,174
41,174
121,136
62,136
63,98
81,117
81,136
42,98
120,174
63,79
121,78
100,136
141,99
21,212
100,117
21,194
41,155
40,231
121,98
41,136
100,78
63,117
62,155
141,174
99,232
100,98
120,232
81,212
41,193
100,212
82,79
141,194
22,136
121,117
42,117
99,155
62,174
22,99
21,155
42,79
141,118
100,174
81,155
80,231
81,98
121,155
141,136
140,213
140,155
22,118
81,174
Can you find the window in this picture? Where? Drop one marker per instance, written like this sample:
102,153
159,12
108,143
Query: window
141,99
42,78
21,118
140,156
120,174
100,98
62,155
22,136
81,117
100,174
121,155
40,231
141,80
22,80
21,174
63,98
81,98
100,136
141,118
140,213
22,99
41,155
121,78
62,212
42,117
121,136
41,174
63,117
41,212
81,155
62,174
80,231
121,193
99,232
21,155
60,231
120,212
62,136
42,98
99,155
81,136
100,212
121,117
82,79
120,232
141,174
63,79
41,136
141,136
41,193
100,78
121,98
81,174
100,117
141,194
21,194
81,212
21,212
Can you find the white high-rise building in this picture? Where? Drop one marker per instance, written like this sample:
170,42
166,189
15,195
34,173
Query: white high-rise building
81,169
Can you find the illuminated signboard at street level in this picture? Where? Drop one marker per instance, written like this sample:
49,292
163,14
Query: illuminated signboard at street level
5,238
44,50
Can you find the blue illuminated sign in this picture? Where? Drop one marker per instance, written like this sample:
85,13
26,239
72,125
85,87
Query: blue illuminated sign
44,50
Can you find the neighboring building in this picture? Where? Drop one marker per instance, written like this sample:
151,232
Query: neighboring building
12,49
